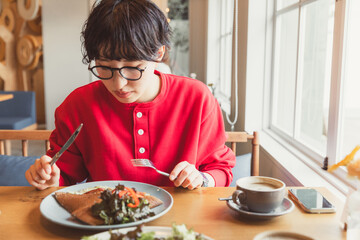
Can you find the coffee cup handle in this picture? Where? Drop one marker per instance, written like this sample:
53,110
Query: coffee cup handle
239,197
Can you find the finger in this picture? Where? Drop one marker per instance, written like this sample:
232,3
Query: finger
35,176
177,170
41,172
28,176
32,177
45,163
55,171
184,174
190,179
55,176
197,183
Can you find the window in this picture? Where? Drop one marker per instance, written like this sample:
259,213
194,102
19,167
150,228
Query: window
220,50
302,72
349,111
315,76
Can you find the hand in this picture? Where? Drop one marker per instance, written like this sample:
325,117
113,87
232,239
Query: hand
186,175
41,175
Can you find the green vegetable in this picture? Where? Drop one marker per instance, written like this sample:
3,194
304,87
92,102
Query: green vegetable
179,232
118,208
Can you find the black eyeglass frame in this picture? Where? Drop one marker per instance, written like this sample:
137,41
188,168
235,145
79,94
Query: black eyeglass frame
117,69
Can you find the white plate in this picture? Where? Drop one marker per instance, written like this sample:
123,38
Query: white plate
281,235
285,207
54,212
159,232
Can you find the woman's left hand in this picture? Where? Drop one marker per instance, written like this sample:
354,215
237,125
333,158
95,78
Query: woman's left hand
186,175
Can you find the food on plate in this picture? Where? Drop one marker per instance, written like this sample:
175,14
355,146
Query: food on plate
109,206
179,232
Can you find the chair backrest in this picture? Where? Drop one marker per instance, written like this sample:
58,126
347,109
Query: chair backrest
21,105
238,137
18,112
24,136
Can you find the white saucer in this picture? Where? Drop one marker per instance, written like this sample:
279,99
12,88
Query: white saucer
285,207
276,235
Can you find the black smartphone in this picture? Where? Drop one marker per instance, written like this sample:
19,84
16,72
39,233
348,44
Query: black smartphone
311,200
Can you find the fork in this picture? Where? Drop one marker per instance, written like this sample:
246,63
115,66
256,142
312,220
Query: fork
142,162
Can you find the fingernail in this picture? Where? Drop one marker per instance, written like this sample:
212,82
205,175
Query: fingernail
172,177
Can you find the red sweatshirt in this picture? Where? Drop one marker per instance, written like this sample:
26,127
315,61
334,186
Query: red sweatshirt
183,123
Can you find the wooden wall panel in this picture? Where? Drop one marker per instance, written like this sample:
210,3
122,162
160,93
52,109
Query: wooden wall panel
21,63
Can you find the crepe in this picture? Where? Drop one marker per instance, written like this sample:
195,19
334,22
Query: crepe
72,202
84,214
79,205
153,201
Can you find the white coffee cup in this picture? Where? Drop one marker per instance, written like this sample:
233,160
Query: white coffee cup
259,193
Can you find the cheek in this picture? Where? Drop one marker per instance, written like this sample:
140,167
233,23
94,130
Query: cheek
107,85
139,86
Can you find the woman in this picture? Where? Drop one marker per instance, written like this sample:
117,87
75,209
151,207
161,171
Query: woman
134,111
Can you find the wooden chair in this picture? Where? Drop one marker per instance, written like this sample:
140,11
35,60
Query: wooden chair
240,137
24,136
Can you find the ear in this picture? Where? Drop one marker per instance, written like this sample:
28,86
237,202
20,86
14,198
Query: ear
161,53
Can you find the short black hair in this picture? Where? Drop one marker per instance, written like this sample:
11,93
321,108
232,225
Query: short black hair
125,29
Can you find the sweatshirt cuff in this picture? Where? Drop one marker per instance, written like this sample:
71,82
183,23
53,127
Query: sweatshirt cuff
221,178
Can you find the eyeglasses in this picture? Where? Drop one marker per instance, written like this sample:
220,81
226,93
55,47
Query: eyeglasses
106,73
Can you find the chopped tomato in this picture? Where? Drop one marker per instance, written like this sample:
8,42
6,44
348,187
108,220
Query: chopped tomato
122,193
134,197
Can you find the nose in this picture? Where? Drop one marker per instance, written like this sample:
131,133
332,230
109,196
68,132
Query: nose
119,81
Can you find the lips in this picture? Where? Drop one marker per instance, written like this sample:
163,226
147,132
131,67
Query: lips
122,94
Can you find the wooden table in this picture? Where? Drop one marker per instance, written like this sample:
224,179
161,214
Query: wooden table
20,217
4,97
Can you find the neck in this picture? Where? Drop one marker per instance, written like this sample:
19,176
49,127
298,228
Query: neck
154,89
157,87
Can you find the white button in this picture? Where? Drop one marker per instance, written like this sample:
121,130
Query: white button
139,114
141,150
140,132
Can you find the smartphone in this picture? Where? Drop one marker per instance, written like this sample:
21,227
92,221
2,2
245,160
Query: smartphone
310,200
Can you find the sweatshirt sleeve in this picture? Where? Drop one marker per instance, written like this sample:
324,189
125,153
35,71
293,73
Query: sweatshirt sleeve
215,158
71,163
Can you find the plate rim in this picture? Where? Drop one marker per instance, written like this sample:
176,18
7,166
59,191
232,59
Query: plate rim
102,183
230,204
145,229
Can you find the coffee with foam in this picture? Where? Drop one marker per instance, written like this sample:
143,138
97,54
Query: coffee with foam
258,193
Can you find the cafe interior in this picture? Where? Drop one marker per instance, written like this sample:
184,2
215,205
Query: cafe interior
286,76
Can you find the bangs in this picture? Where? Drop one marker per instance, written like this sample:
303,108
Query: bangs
116,50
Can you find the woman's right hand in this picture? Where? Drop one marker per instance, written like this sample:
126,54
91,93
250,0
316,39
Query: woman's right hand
41,175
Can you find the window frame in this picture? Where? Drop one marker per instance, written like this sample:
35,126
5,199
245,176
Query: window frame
336,99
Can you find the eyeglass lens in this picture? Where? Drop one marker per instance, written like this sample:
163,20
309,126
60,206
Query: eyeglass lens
128,73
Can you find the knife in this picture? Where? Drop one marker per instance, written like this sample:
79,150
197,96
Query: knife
66,145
